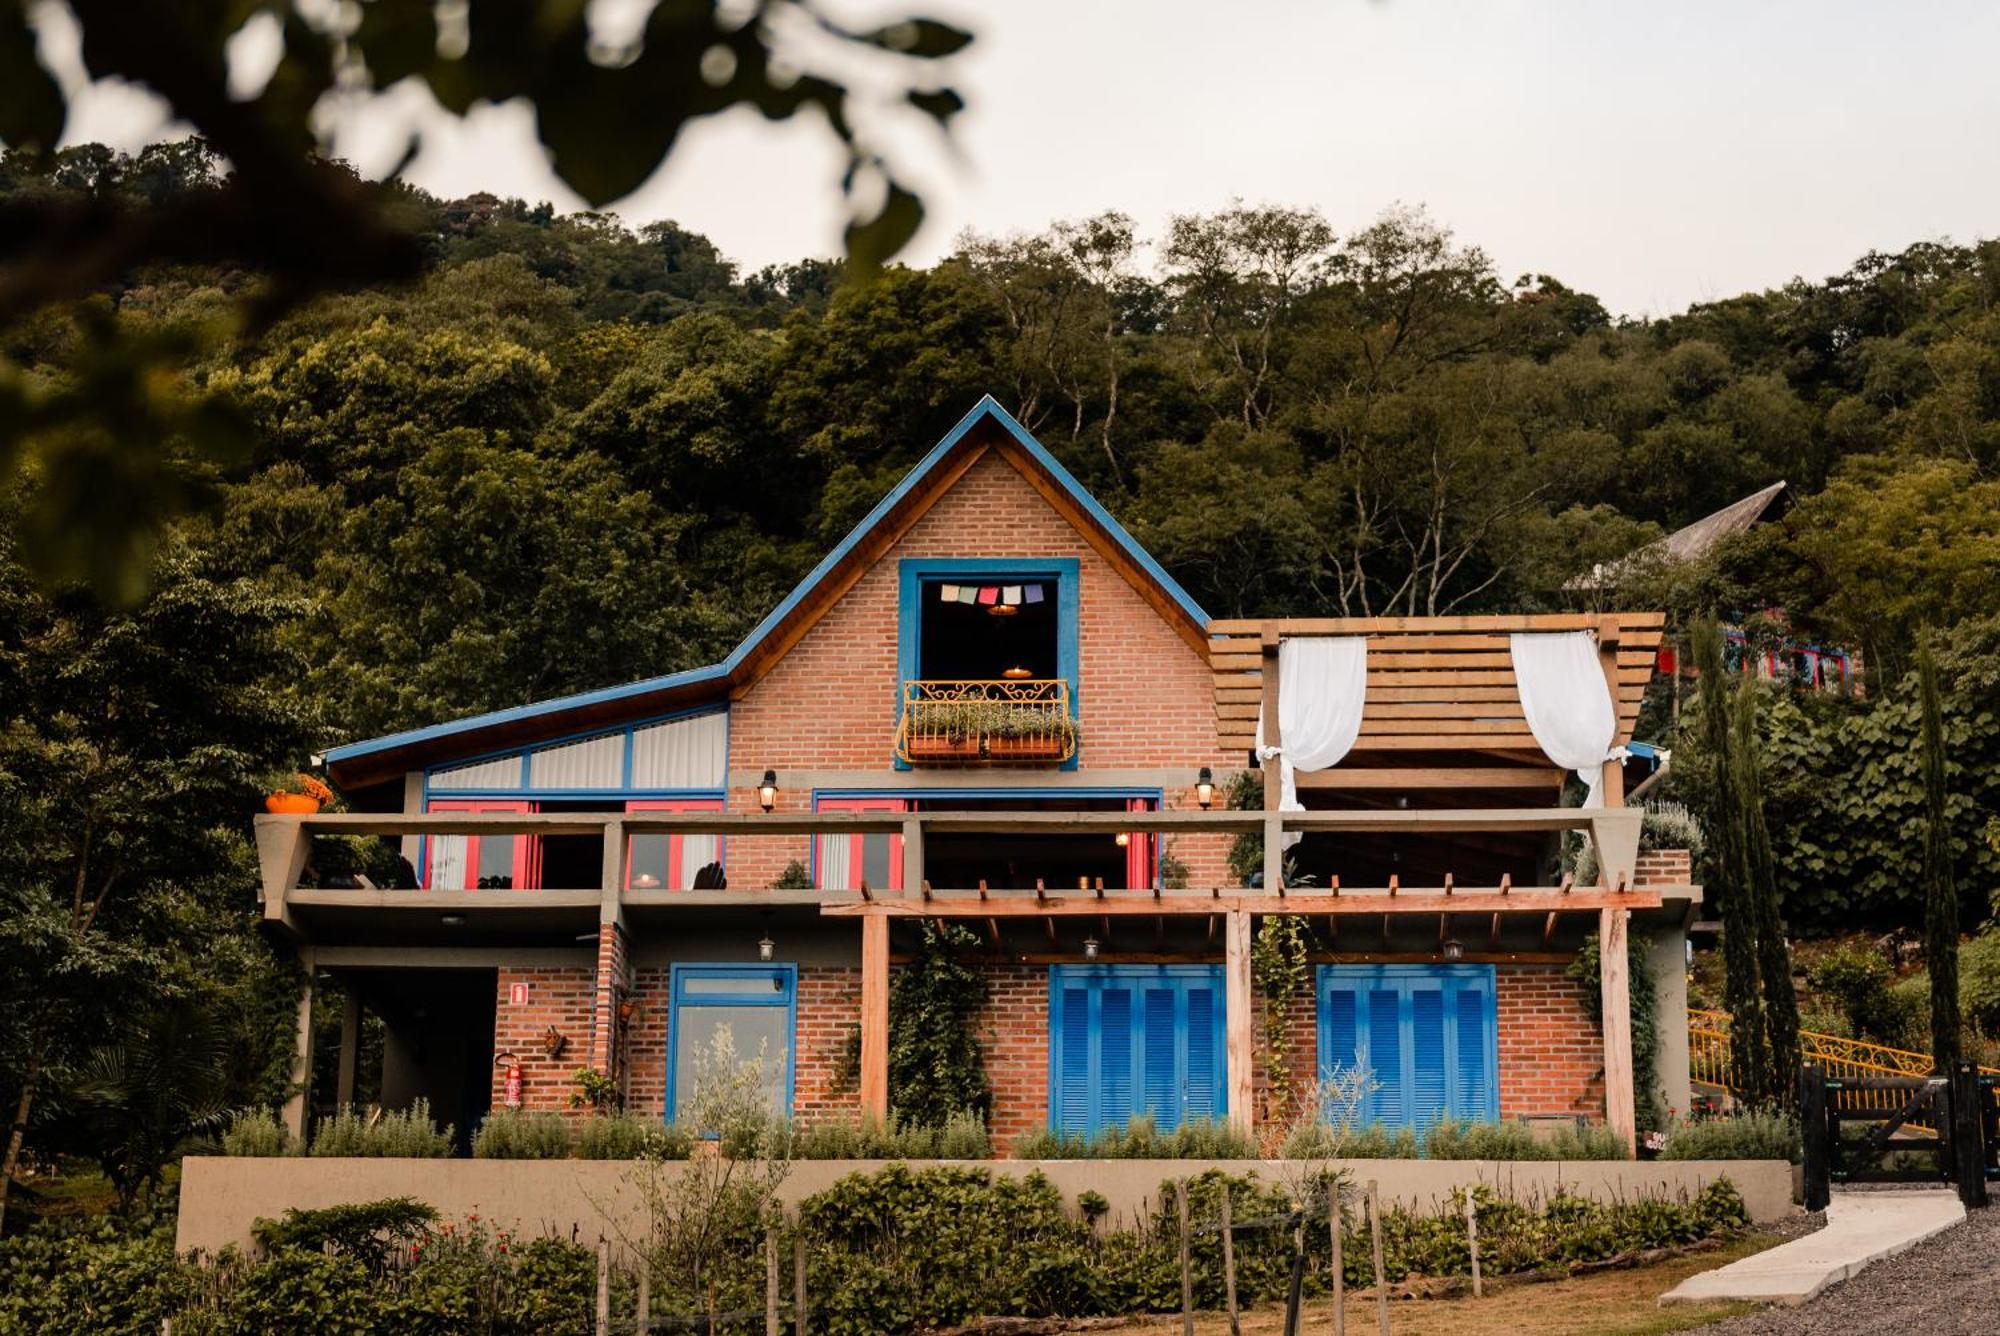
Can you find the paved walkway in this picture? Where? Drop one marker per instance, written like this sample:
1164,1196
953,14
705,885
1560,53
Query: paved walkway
1861,1227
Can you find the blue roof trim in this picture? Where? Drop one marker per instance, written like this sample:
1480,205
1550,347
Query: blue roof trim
987,407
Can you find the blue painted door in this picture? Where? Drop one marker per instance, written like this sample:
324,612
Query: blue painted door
1134,1039
1425,1034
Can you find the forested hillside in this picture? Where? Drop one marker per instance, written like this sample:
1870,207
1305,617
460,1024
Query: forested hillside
575,454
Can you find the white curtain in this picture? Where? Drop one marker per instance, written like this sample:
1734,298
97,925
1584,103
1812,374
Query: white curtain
1322,687
836,862
1568,703
447,870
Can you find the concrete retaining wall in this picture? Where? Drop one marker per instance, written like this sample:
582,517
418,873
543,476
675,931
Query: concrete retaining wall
222,1196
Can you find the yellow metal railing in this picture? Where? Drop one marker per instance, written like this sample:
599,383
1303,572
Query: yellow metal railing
1842,1059
1002,722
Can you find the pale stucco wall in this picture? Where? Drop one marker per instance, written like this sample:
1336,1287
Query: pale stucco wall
221,1197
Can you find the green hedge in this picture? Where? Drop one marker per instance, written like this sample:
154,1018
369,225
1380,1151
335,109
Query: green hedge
892,1251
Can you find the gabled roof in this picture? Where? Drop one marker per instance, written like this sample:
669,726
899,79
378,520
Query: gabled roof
988,427
1687,542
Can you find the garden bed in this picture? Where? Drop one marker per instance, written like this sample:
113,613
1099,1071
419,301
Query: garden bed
222,1195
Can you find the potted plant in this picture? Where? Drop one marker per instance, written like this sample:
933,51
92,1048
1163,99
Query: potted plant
1028,733
302,795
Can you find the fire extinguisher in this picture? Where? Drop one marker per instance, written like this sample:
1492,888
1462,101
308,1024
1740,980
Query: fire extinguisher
511,1092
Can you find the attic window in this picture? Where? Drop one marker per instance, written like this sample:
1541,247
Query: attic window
990,630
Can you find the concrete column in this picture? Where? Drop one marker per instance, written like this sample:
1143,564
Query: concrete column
1615,981
875,1015
1668,956
299,1103
1237,1021
350,1047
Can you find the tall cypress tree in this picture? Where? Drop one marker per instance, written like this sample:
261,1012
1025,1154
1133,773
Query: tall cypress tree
1747,1053
1758,879
1940,892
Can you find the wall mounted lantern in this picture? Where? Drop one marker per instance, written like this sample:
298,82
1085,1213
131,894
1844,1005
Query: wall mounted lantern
1204,788
767,790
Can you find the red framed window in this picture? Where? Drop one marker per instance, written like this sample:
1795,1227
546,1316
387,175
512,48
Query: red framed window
482,862
843,862
1139,850
670,862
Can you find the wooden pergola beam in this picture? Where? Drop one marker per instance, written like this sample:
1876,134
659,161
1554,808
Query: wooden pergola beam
875,1015
1404,903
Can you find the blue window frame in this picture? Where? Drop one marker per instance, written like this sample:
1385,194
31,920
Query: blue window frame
1135,1039
758,1004
914,573
1426,1034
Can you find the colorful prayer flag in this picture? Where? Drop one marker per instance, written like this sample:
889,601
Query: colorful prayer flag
1032,593
990,594
1010,593
967,594
947,593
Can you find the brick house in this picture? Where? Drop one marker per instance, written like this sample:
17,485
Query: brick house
990,704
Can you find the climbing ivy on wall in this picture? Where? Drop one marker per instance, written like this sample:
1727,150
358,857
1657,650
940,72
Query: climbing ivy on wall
1281,968
1585,970
937,1067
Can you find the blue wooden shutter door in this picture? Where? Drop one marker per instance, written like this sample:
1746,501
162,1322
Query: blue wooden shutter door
1126,1040
1425,1035
1202,1086
1114,1036
1385,1056
1429,1077
1072,1069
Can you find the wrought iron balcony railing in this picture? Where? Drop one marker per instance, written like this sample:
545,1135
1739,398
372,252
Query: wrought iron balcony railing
1004,722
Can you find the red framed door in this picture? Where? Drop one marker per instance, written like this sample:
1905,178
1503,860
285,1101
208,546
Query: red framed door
1139,851
476,862
842,862
671,862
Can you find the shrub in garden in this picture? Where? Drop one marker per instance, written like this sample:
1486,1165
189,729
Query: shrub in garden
366,1231
962,1137
1737,1136
1141,1139
257,1132
511,1134
1979,981
409,1134
1858,980
631,1136
110,1276
1450,1139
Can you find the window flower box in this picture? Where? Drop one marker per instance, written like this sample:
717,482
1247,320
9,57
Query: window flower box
1005,722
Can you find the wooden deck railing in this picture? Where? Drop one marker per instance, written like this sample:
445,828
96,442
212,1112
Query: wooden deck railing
285,848
1000,722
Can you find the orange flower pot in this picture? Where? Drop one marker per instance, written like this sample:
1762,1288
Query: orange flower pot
291,804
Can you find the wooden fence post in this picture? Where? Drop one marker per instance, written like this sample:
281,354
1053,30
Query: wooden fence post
642,1320
603,1287
771,1280
1967,1151
1339,1263
1187,1274
799,1282
1375,1244
1813,1133
1229,1265
1472,1242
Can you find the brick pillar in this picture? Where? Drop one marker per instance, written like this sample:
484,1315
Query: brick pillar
614,982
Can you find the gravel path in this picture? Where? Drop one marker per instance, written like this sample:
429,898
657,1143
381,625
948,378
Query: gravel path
1944,1286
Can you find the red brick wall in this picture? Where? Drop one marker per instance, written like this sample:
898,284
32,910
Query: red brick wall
1551,1056
562,997
1144,693
829,1017
1015,1033
1664,867
646,1042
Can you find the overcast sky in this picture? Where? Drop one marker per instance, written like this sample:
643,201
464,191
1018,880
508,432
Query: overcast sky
1655,154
